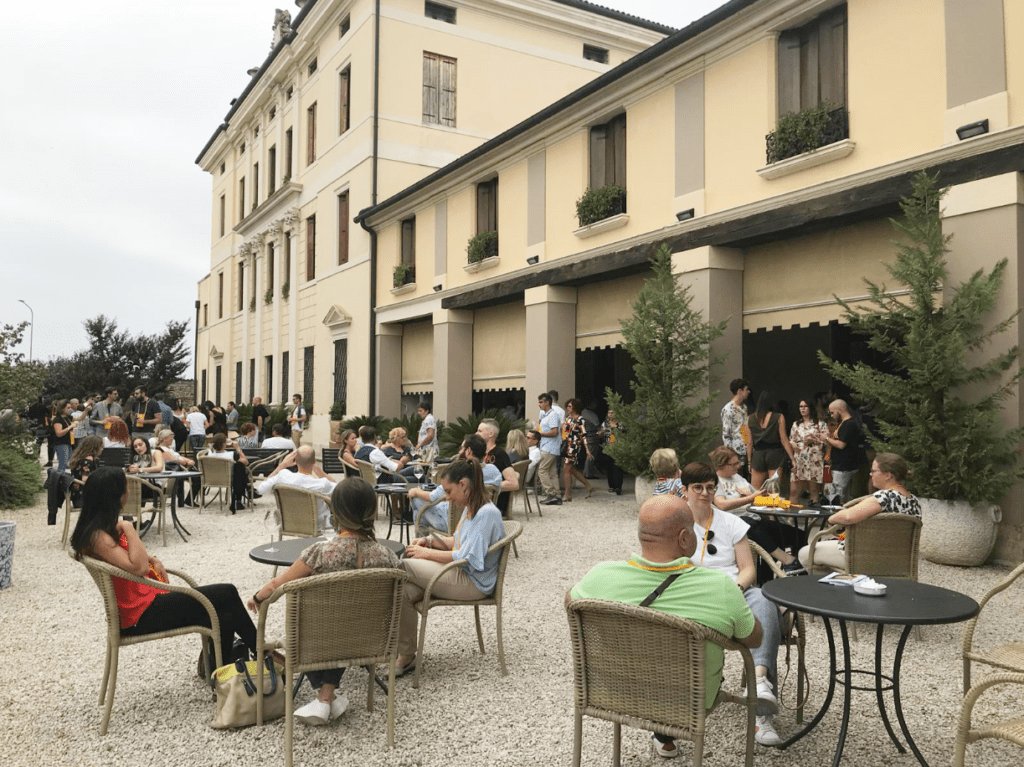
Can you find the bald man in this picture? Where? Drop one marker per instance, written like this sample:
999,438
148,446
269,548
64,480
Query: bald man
708,597
309,477
845,442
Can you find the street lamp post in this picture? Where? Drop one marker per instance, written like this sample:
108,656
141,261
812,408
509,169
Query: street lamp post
32,329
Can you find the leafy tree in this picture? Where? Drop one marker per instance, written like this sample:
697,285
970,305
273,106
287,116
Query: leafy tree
117,358
671,345
940,409
450,435
20,381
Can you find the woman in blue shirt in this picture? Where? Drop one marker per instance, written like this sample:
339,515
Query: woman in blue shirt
479,529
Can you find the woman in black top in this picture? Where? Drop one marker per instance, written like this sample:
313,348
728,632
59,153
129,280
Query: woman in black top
770,437
62,434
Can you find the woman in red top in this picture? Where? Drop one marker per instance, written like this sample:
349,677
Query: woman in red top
144,609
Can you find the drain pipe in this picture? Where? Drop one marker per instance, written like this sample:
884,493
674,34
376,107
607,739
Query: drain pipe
373,195
195,358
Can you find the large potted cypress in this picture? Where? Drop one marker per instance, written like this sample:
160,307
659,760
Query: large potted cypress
939,405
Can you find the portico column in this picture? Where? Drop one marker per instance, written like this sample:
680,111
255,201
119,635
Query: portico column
453,364
389,369
714,276
550,342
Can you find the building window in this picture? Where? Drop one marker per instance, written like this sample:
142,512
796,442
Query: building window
270,377
255,185
223,214
311,68
222,169
252,377
311,134
238,382
344,26
307,380
241,198
812,63
220,295
256,131
241,285
487,206
272,113
438,90
241,149
287,156
341,373
343,228
270,268
310,248
285,366
608,153
286,273
202,388
206,315
288,93
408,252
272,170
216,389
595,53
439,12
344,93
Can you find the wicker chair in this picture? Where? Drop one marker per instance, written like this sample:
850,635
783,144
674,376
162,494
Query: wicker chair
133,504
256,470
103,574
644,668
796,639
341,619
1007,656
512,531
427,528
216,475
68,509
1011,730
116,456
298,512
523,492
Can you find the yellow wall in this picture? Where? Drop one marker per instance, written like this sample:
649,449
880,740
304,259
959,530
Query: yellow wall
1013,21
418,356
499,346
601,307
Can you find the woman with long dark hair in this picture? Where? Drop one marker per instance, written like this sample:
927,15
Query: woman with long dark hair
771,441
62,434
145,609
807,437
353,510
479,528
576,448
350,443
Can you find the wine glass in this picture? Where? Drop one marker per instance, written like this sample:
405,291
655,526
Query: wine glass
418,472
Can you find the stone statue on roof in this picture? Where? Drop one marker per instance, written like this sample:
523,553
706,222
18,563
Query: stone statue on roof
282,26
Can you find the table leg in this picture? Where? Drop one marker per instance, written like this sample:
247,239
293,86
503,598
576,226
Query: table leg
878,690
828,696
896,694
847,681
180,528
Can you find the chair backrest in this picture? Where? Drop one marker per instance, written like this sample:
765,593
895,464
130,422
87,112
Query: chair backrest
521,468
512,531
115,456
347,617
330,459
102,573
216,471
367,472
299,509
622,654
351,471
885,544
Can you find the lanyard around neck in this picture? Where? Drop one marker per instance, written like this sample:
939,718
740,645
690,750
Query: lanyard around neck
707,530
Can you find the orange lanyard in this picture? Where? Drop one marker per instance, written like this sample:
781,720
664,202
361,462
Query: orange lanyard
706,531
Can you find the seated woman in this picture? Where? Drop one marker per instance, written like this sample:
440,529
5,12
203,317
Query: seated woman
118,434
353,509
722,545
735,494
145,609
350,444
145,461
888,473
171,458
515,446
229,451
479,529
84,461
665,465
247,439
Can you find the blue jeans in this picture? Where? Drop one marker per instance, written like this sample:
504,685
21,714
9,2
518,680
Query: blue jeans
767,613
63,456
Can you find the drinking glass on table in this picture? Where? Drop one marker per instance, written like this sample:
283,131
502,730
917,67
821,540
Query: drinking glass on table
418,472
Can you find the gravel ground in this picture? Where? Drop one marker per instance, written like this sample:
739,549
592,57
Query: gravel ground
465,712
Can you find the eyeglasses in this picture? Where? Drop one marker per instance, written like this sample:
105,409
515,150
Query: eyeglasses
708,489
711,548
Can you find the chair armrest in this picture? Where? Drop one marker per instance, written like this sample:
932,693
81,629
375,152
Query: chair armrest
432,504
815,537
184,576
450,566
768,559
975,692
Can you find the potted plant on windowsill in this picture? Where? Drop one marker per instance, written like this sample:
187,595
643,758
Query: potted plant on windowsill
671,347
804,131
268,297
337,415
482,245
939,406
252,304
403,275
284,290
598,204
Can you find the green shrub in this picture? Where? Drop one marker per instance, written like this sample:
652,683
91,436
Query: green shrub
356,422
20,478
481,246
403,273
278,415
452,434
337,411
807,130
598,204
244,414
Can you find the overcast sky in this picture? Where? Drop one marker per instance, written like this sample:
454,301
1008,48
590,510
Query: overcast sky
109,102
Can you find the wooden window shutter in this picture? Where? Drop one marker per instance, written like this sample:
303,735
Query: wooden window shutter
615,168
409,242
789,72
598,141
431,77
311,247
311,134
343,228
344,95
447,96
832,57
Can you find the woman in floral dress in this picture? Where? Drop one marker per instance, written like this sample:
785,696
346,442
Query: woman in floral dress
575,448
806,437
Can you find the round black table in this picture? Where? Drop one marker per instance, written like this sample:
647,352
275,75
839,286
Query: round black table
810,516
170,491
398,506
906,603
283,553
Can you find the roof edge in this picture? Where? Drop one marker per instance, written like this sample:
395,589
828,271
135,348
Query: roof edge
611,13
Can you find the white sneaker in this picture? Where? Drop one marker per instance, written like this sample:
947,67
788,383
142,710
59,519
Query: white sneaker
338,706
665,750
314,713
764,731
766,696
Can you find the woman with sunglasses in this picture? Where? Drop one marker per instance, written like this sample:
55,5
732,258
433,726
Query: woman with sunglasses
722,545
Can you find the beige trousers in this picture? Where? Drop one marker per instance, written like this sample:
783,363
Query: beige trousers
454,584
548,474
827,554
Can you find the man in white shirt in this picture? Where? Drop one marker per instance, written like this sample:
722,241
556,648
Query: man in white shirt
297,418
309,477
370,453
550,448
533,443
279,441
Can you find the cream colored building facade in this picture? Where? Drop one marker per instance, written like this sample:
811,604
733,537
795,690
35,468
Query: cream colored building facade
764,245
357,100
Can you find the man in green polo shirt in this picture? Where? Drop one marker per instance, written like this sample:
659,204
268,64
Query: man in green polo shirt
708,597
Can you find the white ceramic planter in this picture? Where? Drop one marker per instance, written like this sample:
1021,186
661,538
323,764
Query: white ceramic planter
643,488
956,533
6,553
